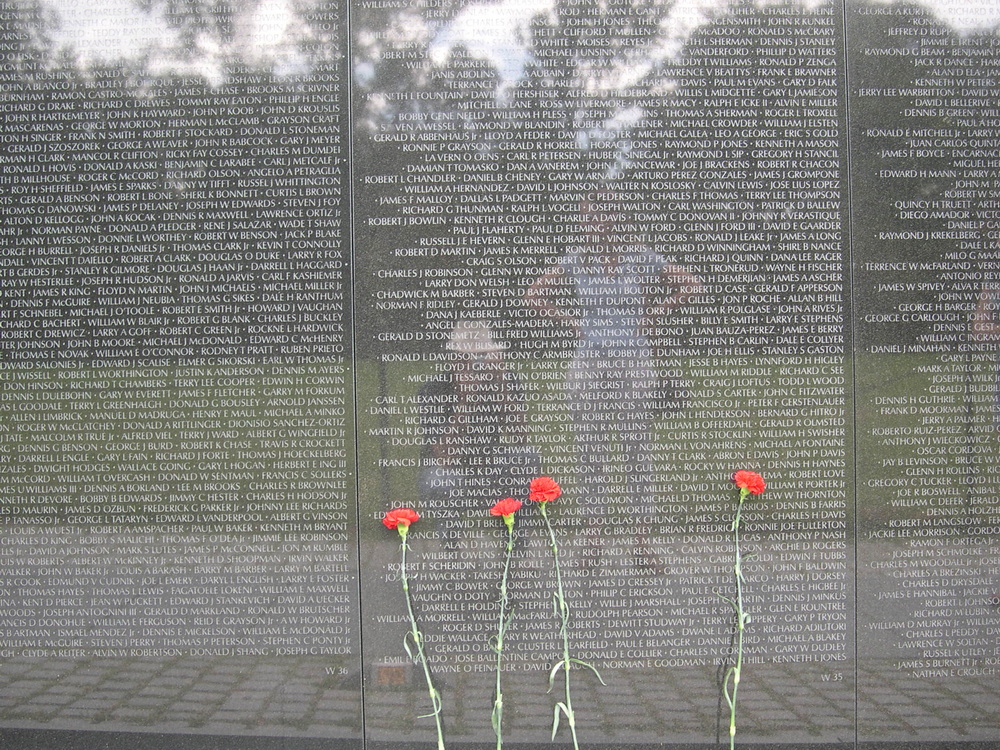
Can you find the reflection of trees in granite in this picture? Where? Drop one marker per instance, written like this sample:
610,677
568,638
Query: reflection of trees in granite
476,447
170,229
612,293
917,136
666,616
30,28
552,107
592,93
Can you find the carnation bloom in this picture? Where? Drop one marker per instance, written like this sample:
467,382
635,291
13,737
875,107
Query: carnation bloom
400,517
543,490
750,481
506,507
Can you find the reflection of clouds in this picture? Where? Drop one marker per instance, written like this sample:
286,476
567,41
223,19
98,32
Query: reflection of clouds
109,30
405,29
265,32
207,61
497,32
270,33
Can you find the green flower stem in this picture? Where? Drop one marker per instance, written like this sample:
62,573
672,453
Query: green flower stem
567,705
418,641
501,631
741,621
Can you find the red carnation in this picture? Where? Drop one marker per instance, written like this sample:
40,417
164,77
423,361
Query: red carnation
543,490
400,517
506,507
750,481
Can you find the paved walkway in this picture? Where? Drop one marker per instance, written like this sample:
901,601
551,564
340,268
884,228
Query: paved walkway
295,697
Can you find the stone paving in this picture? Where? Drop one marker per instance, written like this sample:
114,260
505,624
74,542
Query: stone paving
285,696
221,695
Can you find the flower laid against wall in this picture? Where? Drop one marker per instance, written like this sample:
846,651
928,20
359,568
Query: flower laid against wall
749,483
400,520
505,509
542,491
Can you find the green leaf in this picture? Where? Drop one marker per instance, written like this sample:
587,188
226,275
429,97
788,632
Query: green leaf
552,674
555,717
497,715
591,667
435,703
731,602
510,618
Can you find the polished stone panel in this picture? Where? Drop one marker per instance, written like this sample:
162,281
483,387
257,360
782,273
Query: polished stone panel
269,270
